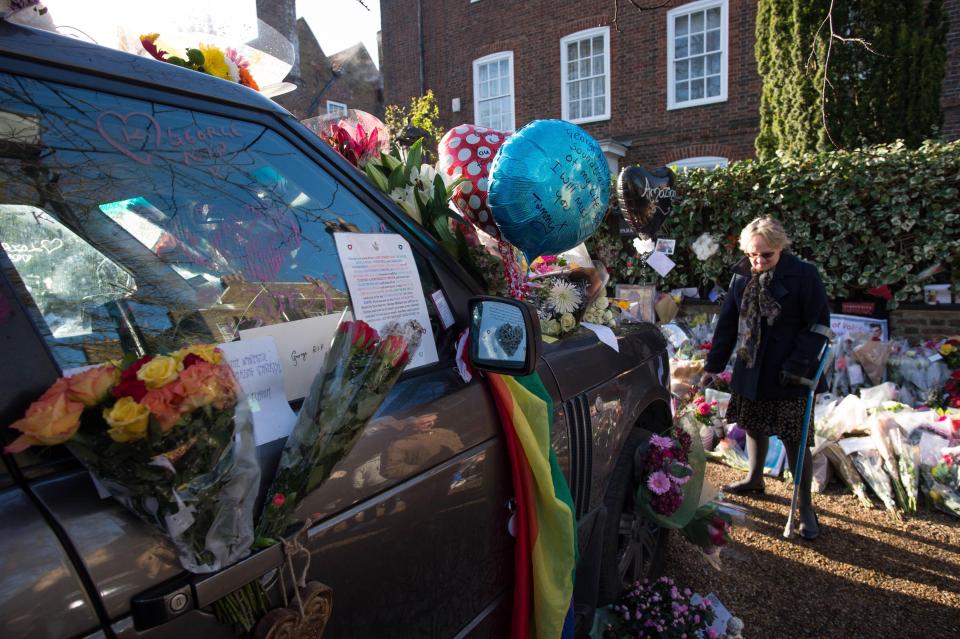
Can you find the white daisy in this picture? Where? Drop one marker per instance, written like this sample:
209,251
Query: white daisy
564,297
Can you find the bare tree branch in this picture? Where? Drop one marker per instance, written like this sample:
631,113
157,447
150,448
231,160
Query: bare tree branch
637,6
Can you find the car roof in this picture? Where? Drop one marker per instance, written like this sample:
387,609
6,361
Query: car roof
69,53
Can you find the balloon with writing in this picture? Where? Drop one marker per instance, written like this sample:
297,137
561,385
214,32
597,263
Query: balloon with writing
549,187
646,198
467,151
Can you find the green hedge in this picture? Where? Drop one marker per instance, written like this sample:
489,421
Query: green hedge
878,215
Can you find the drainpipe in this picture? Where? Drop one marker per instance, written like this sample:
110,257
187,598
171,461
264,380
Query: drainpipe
420,34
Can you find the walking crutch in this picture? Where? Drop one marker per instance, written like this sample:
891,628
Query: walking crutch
802,448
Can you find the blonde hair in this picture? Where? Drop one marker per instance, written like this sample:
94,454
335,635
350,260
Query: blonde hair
770,229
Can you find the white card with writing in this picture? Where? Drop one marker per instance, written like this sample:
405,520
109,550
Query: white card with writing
302,346
385,286
256,365
855,374
440,302
604,333
660,263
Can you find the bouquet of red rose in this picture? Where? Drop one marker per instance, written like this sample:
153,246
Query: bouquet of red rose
169,438
358,372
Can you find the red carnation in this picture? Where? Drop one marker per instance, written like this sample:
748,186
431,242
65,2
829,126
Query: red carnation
279,500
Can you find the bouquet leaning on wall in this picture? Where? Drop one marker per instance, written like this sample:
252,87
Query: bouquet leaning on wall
170,438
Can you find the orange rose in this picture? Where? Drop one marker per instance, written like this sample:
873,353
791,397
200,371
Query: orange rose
201,386
52,419
91,386
229,387
165,404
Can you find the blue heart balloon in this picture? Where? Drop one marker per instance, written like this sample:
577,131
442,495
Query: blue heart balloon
549,187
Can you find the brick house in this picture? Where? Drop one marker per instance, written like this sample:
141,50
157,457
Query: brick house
348,79
502,64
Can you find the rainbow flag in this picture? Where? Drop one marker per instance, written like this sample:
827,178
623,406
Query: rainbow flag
546,553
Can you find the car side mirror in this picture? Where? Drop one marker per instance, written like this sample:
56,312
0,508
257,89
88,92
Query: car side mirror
504,335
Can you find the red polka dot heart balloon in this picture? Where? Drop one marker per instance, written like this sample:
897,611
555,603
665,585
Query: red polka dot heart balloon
467,151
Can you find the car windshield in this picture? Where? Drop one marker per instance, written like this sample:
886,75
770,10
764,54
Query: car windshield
130,226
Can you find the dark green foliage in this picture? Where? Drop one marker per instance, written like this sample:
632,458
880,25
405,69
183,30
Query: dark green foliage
888,92
878,215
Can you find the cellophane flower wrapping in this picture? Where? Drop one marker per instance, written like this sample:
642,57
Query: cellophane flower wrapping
672,471
709,528
168,436
848,472
360,369
884,431
942,482
196,484
870,465
912,370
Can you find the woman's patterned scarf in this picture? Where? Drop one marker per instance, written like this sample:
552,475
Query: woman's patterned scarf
757,303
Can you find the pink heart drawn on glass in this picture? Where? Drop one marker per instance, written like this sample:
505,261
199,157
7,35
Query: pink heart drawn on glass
131,134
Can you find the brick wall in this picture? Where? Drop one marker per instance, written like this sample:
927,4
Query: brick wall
922,324
459,31
456,32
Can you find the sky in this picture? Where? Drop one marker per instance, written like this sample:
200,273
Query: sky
353,23
337,24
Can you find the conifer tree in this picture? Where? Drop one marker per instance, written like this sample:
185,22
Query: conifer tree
847,73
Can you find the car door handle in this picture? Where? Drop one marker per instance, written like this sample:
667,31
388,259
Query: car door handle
188,591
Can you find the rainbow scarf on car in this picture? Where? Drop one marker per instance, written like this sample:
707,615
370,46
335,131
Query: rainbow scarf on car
546,552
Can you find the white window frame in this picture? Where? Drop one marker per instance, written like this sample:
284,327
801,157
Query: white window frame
487,59
694,7
337,106
708,162
564,100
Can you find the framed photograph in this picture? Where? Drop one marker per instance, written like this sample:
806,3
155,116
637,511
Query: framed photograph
666,246
641,298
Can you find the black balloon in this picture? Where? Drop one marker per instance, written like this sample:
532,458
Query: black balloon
645,198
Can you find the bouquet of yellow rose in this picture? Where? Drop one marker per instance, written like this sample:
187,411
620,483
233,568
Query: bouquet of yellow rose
169,437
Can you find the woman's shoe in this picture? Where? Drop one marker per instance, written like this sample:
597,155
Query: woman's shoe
810,533
743,488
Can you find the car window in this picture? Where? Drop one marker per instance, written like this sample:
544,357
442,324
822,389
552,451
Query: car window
131,226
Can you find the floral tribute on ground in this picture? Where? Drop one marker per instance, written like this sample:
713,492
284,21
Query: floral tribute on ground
168,437
656,609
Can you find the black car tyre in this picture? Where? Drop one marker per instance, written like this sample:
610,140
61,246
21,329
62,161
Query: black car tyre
633,546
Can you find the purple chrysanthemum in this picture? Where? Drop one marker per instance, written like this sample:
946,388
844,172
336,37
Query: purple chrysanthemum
658,482
661,442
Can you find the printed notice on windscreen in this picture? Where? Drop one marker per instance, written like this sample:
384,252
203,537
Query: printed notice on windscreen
385,285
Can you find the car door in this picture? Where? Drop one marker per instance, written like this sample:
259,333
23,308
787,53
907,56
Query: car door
136,222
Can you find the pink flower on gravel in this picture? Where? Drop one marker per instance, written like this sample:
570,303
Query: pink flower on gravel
658,482
661,442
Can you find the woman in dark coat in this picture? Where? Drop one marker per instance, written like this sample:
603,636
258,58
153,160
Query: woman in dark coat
776,319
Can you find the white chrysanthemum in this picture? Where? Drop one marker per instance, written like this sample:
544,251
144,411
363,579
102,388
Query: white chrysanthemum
643,246
564,297
705,247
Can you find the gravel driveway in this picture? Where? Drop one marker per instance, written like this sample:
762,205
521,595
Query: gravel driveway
867,575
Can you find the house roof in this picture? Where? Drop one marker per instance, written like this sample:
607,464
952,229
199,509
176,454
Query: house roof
357,54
